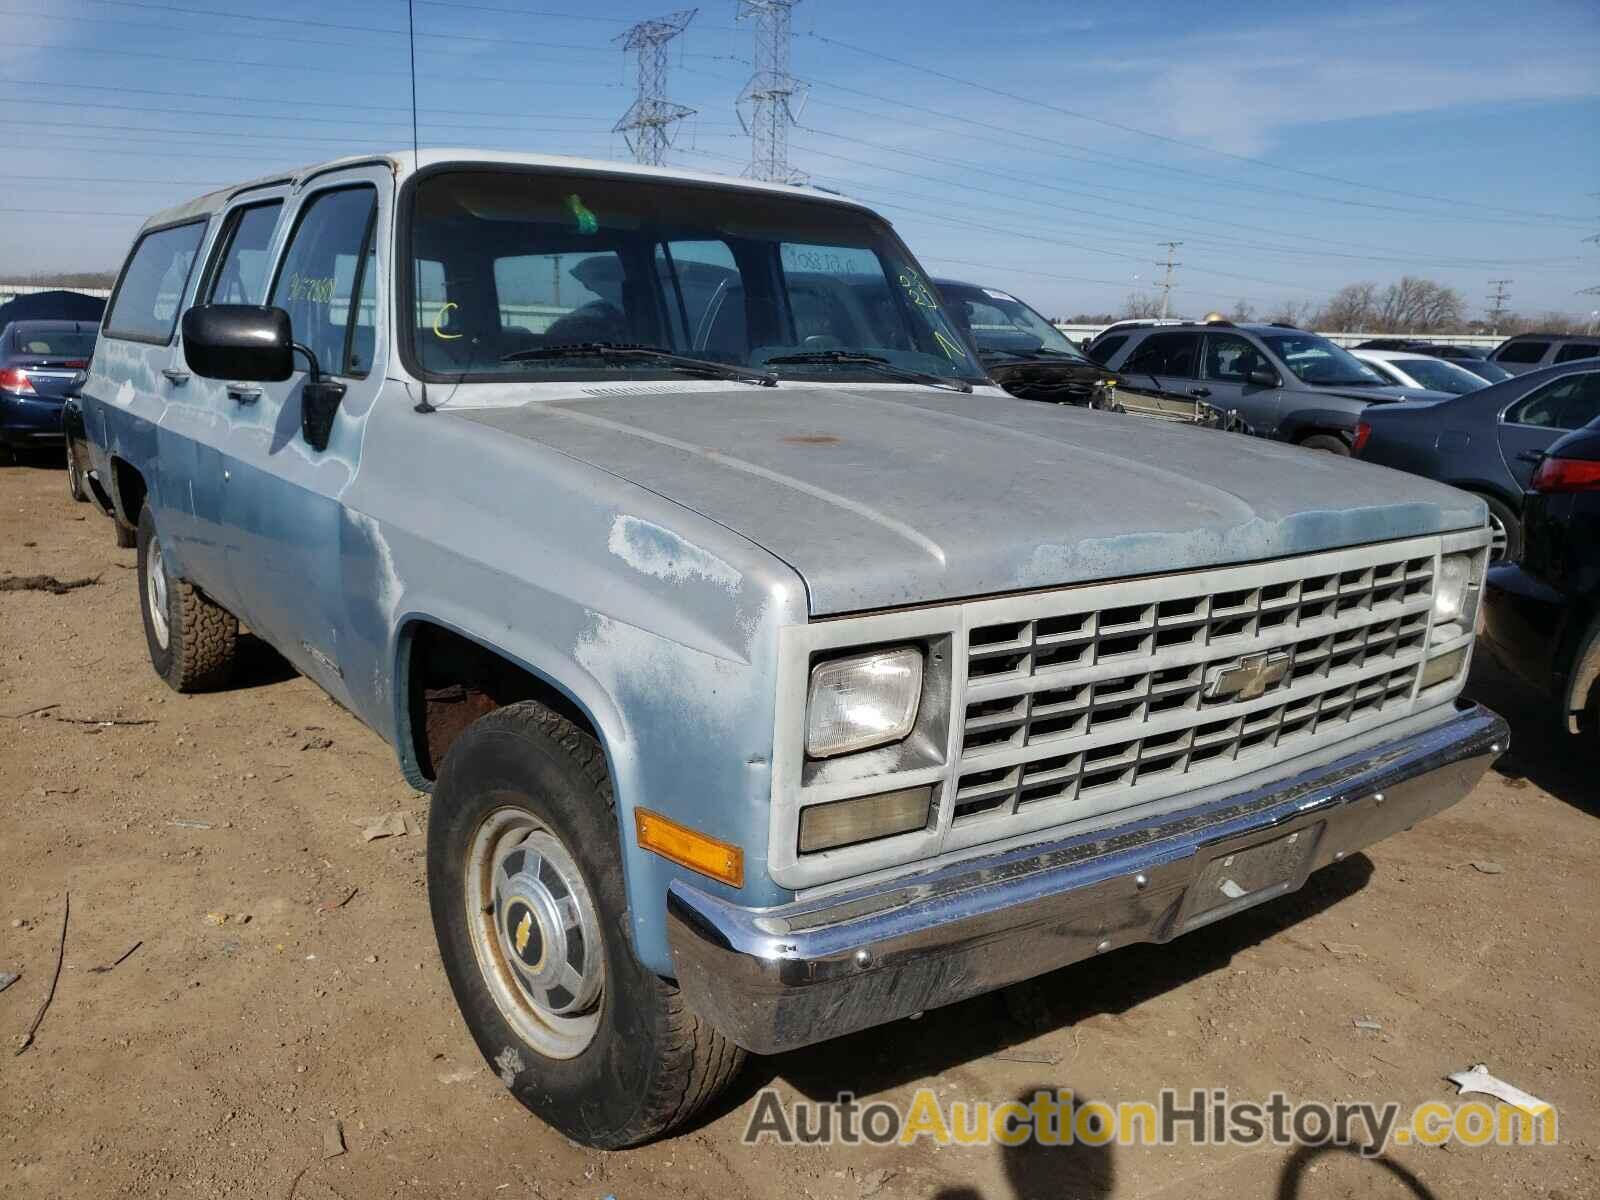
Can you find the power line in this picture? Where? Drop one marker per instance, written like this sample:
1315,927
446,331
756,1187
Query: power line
771,93
647,125
1166,282
1245,158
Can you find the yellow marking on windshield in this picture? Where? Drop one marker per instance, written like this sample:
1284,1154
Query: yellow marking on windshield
439,333
951,350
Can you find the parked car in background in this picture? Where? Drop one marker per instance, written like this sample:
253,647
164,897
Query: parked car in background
1489,441
39,361
1022,351
771,697
1423,346
1530,351
1284,383
1489,372
1542,615
1115,335
1412,370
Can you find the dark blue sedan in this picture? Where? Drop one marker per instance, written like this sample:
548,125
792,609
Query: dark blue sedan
39,360
1488,441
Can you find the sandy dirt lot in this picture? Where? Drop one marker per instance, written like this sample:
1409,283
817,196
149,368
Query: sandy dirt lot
216,1058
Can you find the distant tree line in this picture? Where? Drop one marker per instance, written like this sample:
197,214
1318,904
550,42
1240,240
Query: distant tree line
1410,305
63,279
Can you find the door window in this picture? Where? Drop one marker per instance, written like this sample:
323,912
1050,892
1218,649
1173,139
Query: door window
240,274
1573,351
1522,352
150,293
1569,403
318,280
1230,358
1166,354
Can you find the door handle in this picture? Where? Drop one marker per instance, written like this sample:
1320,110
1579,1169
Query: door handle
1201,392
175,376
244,395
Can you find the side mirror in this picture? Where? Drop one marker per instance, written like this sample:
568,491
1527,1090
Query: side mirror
1263,377
238,342
319,403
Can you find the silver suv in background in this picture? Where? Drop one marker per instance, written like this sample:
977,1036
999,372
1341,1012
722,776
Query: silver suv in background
1530,351
1282,382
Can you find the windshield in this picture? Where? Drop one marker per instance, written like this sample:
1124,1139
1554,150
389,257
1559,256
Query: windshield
506,262
1440,376
1316,360
1001,324
55,340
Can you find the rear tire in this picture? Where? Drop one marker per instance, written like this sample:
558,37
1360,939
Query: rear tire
522,838
1332,443
1505,528
191,639
75,485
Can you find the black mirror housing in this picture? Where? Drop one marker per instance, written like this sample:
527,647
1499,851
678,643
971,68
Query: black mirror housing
1263,377
319,403
238,342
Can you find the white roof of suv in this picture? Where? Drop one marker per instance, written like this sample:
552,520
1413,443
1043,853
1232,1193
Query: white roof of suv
407,162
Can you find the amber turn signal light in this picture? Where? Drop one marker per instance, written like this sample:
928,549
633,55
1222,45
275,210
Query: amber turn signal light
689,848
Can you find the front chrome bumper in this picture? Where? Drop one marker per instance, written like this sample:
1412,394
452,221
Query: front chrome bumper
778,978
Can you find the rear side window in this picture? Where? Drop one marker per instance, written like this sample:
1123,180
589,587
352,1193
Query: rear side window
1522,352
1166,354
150,293
1569,403
240,276
1102,350
325,279
1576,350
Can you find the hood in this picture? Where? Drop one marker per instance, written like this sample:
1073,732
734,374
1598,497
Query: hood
886,496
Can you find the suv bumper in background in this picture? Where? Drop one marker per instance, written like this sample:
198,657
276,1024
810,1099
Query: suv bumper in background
778,978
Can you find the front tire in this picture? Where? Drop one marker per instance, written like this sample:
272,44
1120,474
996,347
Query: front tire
531,914
191,639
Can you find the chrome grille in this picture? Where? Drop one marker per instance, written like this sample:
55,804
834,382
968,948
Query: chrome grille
1097,706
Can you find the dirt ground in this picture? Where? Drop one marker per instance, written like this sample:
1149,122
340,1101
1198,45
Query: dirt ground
215,1059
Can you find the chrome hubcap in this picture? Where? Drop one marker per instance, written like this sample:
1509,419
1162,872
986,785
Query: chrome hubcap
155,577
536,933
1498,539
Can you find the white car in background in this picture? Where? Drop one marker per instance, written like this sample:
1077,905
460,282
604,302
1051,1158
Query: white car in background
1410,369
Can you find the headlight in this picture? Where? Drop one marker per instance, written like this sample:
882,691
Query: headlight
862,701
1451,587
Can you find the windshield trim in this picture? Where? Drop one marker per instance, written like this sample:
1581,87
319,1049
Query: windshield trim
402,277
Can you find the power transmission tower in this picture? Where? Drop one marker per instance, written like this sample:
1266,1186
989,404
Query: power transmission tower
773,98
647,125
1499,297
1166,281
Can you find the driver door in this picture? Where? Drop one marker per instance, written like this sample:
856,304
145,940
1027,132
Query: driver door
1529,426
282,493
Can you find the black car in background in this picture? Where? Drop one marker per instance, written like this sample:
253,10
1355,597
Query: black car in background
1488,441
1022,351
40,362
1542,615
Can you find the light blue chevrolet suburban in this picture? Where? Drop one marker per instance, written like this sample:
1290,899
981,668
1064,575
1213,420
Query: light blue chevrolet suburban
774,674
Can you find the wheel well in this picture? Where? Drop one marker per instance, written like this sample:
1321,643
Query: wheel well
130,490
1303,435
452,680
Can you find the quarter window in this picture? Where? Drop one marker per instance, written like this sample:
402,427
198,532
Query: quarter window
1522,352
145,308
1102,350
1573,351
1166,354
1569,403
318,281
241,272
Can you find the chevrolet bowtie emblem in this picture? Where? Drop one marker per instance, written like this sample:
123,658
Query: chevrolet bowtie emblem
1248,678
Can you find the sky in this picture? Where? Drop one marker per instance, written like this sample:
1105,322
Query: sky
1042,147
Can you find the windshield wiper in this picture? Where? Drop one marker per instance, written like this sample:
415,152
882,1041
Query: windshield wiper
651,354
845,358
1035,355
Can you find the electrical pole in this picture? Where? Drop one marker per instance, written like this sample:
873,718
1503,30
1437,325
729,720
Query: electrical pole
773,97
1166,281
1499,298
647,124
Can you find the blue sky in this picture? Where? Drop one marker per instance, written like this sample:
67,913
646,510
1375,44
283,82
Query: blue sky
1292,149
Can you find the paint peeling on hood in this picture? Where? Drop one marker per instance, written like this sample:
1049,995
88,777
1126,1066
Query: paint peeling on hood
880,498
